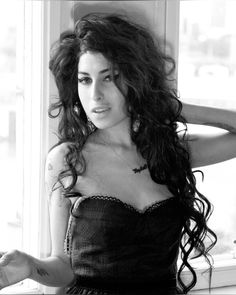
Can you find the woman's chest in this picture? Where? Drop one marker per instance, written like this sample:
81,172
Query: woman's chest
111,177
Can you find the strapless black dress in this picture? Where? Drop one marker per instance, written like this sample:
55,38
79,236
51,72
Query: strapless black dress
117,249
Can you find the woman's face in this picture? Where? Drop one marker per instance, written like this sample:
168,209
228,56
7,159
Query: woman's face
101,99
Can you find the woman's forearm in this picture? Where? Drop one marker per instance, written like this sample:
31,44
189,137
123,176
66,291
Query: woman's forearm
221,118
51,271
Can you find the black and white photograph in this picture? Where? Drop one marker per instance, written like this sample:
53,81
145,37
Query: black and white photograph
118,147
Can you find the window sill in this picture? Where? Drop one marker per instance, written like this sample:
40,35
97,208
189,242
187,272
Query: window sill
222,290
20,290
223,276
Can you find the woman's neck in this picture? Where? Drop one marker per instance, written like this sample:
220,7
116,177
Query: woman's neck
117,136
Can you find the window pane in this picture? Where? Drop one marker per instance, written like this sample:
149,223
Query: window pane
207,75
207,52
10,118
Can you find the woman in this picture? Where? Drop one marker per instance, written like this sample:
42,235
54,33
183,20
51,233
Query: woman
123,197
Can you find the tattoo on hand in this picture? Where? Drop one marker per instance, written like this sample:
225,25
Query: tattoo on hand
42,272
222,126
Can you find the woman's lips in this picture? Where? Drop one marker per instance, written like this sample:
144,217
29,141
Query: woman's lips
99,110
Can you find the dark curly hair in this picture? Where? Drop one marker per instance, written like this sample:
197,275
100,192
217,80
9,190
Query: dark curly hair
152,101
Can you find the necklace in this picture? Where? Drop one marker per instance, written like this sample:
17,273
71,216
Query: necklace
136,169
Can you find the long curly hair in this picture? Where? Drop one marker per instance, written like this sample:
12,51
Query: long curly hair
152,101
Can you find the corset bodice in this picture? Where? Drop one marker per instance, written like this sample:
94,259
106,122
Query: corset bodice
114,243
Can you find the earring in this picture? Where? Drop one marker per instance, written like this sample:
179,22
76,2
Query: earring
77,109
136,125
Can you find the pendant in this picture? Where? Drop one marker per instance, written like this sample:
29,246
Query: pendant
140,169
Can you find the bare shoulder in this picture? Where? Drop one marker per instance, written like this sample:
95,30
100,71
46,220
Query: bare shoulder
58,153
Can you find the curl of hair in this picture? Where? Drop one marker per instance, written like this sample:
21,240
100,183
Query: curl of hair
151,102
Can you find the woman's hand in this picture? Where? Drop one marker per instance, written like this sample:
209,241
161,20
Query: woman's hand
14,267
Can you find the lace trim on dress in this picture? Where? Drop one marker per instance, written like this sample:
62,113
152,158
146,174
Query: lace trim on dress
68,239
147,208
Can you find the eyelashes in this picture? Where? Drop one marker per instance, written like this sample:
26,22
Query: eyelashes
84,80
108,78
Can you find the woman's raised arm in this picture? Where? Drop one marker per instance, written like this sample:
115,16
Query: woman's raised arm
207,149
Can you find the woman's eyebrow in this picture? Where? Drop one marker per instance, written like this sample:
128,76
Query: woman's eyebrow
100,72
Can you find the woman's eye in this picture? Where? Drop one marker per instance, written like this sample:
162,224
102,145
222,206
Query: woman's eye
110,78
85,80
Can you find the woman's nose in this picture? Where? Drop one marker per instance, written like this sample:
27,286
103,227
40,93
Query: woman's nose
97,93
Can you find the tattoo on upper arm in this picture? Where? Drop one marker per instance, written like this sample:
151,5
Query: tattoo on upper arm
222,126
42,272
50,167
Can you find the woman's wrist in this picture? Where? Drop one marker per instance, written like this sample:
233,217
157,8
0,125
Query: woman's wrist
50,271
31,265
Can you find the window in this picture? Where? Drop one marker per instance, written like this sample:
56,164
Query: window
206,75
10,102
207,57
28,28
23,130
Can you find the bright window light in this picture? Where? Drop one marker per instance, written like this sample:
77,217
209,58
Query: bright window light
207,76
21,130
11,101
